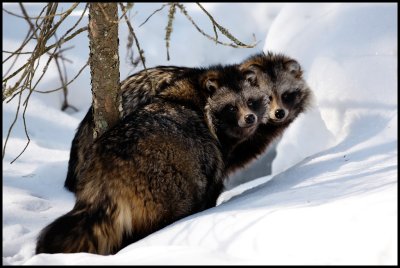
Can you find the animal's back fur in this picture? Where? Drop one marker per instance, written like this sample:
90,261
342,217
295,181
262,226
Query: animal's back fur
157,165
169,82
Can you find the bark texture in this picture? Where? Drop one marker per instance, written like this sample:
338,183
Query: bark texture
104,65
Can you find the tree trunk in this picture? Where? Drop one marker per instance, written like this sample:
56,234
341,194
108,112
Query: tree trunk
104,65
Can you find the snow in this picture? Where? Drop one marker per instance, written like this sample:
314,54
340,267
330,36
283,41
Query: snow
332,195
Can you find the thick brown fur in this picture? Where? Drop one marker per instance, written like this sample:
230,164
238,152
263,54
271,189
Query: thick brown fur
168,82
162,162
157,165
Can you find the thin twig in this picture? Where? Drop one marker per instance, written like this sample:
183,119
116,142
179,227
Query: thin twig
76,24
212,20
27,136
25,129
28,37
33,18
40,14
63,77
12,124
41,32
236,44
76,76
63,17
16,53
222,29
62,41
154,12
134,36
168,29
138,47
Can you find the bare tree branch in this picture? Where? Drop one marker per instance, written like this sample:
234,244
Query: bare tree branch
168,29
236,43
157,10
12,124
35,18
40,31
73,79
9,92
132,32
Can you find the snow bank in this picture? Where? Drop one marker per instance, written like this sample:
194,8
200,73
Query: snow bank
332,198
349,53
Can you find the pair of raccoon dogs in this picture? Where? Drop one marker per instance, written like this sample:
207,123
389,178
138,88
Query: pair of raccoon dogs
183,130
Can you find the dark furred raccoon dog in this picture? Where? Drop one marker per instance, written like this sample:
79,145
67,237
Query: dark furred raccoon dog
169,82
289,96
157,165
236,115
276,75
161,163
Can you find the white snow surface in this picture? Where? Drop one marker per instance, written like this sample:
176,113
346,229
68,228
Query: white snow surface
332,196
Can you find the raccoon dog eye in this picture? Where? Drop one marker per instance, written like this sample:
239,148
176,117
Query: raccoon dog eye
250,103
231,108
289,97
270,98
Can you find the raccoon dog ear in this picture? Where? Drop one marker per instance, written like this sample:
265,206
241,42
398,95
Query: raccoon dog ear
210,82
251,76
294,68
211,85
251,73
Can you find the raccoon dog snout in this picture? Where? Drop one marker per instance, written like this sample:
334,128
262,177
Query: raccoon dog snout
250,119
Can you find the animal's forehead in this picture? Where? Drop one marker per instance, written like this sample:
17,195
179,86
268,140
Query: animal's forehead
287,82
225,93
253,92
245,93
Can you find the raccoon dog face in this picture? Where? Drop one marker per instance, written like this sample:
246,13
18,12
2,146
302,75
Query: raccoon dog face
282,77
236,106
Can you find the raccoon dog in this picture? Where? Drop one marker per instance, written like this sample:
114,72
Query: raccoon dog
181,84
279,77
172,82
289,96
159,164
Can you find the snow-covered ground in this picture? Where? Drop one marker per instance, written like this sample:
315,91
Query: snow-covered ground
332,197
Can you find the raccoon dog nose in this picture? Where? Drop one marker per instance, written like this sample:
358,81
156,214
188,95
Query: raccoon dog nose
280,113
250,118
